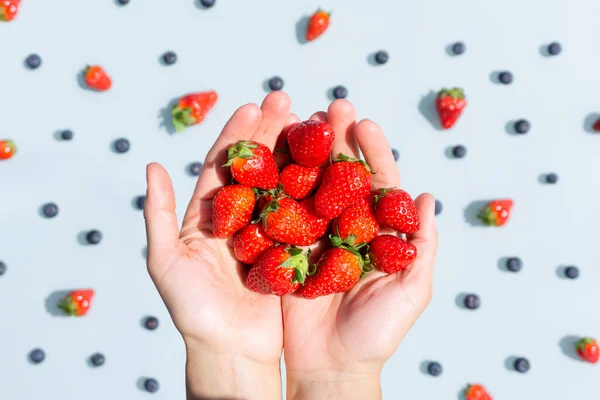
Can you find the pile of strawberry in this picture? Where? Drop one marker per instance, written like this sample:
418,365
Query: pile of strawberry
313,200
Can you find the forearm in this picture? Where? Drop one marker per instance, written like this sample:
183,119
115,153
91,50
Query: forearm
325,385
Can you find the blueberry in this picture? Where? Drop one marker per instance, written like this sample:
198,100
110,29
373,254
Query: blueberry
207,3
554,48
459,151
37,356
169,58
151,323
551,178
514,264
521,365
33,61
434,368
123,2
195,168
275,83
121,145
438,207
340,92
522,126
505,77
458,48
50,210
381,57
2,268
140,202
151,385
97,359
67,134
472,301
93,237
572,272
396,154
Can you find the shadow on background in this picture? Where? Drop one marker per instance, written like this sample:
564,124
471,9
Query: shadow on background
301,29
502,264
460,300
567,346
495,76
81,238
448,153
510,127
423,367
166,116
472,210
589,122
52,301
509,363
427,109
81,82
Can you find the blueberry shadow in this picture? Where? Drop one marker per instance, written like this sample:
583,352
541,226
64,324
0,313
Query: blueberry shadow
423,367
561,271
472,210
81,238
265,85
448,153
427,109
143,321
460,300
449,50
145,252
166,117
567,346
301,29
371,60
57,135
510,128
502,264
89,362
495,76
134,204
162,62
140,383
509,363
589,122
329,93
119,4
543,181
51,303
544,51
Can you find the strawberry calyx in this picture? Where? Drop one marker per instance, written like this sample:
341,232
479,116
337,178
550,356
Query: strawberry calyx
69,306
182,117
242,149
583,343
348,244
488,216
455,93
381,193
10,144
298,261
344,158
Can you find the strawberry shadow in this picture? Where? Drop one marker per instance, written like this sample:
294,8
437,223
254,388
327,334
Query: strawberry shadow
166,117
472,210
301,29
589,122
428,111
567,346
51,303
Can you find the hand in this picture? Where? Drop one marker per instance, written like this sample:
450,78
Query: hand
233,336
335,346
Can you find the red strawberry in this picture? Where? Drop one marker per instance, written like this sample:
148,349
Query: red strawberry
359,220
310,143
345,182
192,109
587,348
7,149
476,392
299,182
286,221
338,270
77,303
279,271
496,212
250,243
396,209
596,125
319,225
232,210
96,78
450,104
390,254
9,9
252,164
317,24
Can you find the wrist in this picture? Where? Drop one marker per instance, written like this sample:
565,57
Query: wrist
333,384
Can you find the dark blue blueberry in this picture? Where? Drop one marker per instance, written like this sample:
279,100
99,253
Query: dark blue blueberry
554,48
275,83
572,272
121,145
551,178
472,301
37,356
340,92
33,61
522,126
438,207
50,210
97,359
505,77
123,2
151,323
169,58
93,237
207,3
2,268
195,168
514,264
67,134
140,202
458,48
381,57
151,385
434,368
459,151
396,154
521,365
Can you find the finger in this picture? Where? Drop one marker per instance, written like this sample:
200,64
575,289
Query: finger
342,117
378,154
275,110
283,158
319,116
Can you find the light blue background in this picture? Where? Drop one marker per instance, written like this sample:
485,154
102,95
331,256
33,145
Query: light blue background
233,48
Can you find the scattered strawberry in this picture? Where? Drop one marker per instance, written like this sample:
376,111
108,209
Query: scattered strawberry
496,212
310,143
7,149
587,348
9,9
476,392
319,225
390,254
396,209
279,271
317,25
450,104
250,243
359,220
346,181
232,210
191,109
286,221
77,303
252,164
596,125
96,78
299,182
